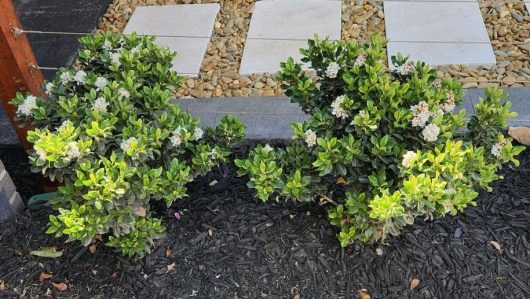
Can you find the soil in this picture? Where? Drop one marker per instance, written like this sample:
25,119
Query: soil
227,244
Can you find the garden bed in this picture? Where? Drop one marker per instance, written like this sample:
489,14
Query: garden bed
228,244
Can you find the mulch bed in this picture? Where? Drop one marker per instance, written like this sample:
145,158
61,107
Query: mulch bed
227,244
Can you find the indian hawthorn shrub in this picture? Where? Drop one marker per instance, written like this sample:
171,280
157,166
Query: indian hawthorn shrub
381,148
108,132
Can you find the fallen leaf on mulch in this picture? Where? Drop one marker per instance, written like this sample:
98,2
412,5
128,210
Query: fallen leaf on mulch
43,276
521,134
414,283
92,248
60,286
98,237
47,252
170,267
141,212
18,252
341,181
363,294
94,271
497,246
168,251
2,285
210,232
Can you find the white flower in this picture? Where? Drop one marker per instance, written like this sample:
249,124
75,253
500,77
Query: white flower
450,191
100,104
437,83
123,93
406,68
115,58
496,150
65,77
135,50
362,113
437,113
80,77
337,110
107,45
26,108
49,88
449,104
267,148
100,82
408,157
421,114
126,144
40,153
430,132
72,151
175,140
332,70
198,133
310,138
360,60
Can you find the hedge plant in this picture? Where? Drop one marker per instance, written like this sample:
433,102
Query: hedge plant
380,148
107,131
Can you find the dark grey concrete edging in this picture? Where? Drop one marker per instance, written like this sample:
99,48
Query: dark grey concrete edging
270,117
10,201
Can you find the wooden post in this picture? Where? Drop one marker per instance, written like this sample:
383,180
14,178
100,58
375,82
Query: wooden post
18,72
17,66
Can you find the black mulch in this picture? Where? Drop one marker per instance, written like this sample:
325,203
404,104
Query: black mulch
16,163
229,245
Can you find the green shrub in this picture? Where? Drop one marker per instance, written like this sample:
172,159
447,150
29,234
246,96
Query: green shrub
109,133
380,148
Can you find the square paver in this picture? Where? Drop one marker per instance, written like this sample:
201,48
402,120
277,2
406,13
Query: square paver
185,29
527,3
279,28
439,33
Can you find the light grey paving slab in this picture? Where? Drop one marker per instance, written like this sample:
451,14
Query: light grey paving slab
520,99
265,56
445,53
190,53
194,20
527,6
185,29
279,28
295,19
439,33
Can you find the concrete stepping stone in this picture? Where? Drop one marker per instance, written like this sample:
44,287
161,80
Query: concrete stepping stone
185,29
439,33
279,28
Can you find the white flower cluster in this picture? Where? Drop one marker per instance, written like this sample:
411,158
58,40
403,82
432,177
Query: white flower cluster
135,50
107,45
126,144
26,108
450,191
49,88
310,138
421,114
175,138
430,132
332,70
115,58
267,148
100,83
361,59
123,93
496,149
65,77
198,133
337,110
449,105
362,113
72,151
408,157
80,77
100,104
406,68
437,83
